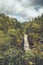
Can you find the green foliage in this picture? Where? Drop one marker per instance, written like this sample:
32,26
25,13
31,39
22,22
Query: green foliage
11,39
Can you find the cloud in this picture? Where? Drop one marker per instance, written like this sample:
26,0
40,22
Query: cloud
23,10
32,2
37,2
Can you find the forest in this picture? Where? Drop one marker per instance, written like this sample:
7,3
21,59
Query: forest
12,43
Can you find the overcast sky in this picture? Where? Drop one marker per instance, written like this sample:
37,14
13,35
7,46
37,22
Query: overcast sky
22,10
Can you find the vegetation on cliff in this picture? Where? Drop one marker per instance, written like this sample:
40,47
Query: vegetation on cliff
11,41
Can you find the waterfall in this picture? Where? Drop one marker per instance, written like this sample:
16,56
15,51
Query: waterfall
26,43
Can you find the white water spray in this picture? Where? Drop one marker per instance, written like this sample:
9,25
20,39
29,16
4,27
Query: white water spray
26,43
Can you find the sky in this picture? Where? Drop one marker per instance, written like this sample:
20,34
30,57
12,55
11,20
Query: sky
23,10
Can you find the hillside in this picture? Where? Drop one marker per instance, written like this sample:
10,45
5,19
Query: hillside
11,41
34,29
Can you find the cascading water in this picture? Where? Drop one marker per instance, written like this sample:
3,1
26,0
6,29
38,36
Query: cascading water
26,43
